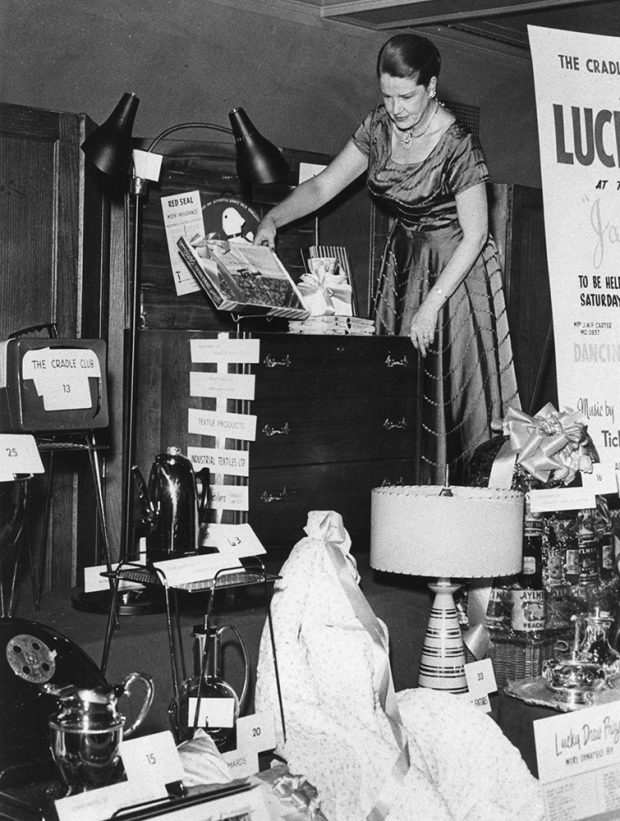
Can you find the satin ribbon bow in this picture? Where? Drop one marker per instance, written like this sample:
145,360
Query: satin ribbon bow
551,442
328,287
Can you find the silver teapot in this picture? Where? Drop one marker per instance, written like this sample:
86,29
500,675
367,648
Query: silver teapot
171,510
86,733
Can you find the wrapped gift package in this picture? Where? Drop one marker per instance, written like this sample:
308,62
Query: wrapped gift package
578,573
52,384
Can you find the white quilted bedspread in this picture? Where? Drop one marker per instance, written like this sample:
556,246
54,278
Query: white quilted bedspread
338,730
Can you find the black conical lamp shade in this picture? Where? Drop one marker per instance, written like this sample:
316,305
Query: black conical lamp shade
258,160
109,146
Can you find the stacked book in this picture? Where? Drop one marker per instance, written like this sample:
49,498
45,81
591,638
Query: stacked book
333,324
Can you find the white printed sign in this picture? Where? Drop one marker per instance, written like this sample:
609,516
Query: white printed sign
182,218
222,385
222,424
576,84
225,350
60,376
229,497
578,757
220,460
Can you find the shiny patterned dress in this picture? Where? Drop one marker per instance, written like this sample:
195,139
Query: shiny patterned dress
467,378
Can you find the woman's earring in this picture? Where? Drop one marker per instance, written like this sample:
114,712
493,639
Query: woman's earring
432,93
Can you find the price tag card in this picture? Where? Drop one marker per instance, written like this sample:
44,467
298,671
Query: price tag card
603,477
18,454
151,762
255,734
228,425
480,679
222,385
578,757
225,350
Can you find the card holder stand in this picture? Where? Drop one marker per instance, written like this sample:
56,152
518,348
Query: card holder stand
226,578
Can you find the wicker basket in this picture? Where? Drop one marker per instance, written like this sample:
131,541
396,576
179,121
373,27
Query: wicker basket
514,658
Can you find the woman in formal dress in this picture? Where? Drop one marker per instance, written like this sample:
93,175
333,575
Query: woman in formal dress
440,281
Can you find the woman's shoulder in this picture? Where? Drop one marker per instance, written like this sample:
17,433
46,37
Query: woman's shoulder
459,135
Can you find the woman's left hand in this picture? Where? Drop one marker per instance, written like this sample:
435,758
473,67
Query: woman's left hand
423,326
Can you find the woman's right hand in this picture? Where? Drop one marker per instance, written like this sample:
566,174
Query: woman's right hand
266,233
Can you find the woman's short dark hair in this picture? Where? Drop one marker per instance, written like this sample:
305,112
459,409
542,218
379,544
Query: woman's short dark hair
409,55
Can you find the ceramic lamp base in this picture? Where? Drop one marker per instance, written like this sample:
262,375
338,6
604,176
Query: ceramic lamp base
442,663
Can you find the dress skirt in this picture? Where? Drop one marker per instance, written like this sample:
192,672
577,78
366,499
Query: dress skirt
466,381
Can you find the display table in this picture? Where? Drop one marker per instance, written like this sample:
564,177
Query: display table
141,643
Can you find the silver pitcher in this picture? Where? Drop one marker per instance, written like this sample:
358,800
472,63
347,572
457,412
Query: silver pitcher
86,733
171,510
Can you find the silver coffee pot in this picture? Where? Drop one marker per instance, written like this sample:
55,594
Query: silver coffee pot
171,509
86,732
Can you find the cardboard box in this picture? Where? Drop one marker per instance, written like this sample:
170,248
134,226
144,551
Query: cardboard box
244,279
53,384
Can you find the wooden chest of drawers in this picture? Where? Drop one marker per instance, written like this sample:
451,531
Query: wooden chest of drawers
335,418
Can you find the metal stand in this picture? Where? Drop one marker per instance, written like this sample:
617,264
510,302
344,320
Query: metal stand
153,578
235,577
81,441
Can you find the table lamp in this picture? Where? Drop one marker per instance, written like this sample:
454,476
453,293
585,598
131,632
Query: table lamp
447,533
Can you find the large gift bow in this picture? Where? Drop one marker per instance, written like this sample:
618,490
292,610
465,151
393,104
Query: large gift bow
551,442
327,288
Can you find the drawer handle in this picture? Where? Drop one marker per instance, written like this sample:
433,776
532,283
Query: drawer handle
269,430
270,362
396,363
267,497
399,424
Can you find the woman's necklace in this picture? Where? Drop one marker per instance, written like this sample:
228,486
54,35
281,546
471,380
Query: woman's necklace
407,137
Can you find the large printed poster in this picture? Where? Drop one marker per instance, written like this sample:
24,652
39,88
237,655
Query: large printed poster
577,81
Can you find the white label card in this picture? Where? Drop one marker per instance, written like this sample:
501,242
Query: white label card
562,498
19,454
225,350
95,805
60,376
255,734
233,542
603,477
222,385
480,679
578,757
230,497
151,762
220,460
219,424
212,712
